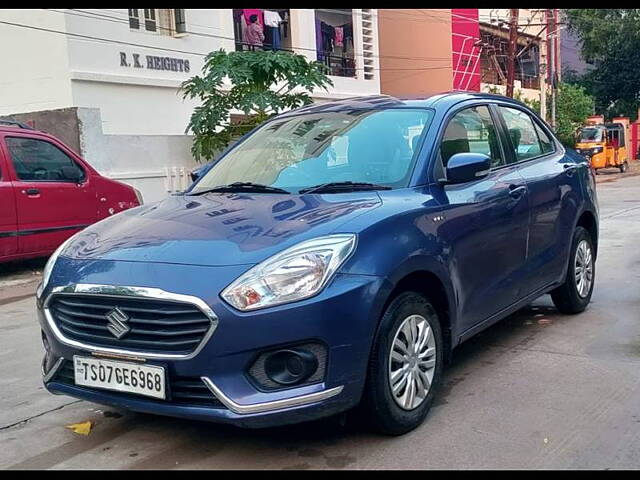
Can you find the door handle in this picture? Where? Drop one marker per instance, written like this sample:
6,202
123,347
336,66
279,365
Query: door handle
516,191
31,191
569,169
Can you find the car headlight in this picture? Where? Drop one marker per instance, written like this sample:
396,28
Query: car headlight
46,272
294,274
595,150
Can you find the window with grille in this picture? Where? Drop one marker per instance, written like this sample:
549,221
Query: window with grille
134,18
164,21
150,19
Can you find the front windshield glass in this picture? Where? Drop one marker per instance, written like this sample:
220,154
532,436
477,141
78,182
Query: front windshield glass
374,146
591,135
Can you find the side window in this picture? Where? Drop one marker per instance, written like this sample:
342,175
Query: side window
545,141
40,161
471,130
523,134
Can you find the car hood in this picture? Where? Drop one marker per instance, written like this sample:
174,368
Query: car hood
218,229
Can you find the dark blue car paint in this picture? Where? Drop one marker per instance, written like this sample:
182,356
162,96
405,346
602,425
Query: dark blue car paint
491,251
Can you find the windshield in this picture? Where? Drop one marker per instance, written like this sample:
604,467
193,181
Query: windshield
591,135
373,146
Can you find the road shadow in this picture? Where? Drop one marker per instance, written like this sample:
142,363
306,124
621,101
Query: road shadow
20,268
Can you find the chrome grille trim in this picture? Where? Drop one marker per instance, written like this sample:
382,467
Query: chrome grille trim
117,291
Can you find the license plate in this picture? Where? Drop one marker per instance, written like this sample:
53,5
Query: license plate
128,377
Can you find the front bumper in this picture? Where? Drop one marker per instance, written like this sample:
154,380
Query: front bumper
342,317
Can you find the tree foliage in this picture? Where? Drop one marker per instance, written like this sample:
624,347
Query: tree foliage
610,41
573,106
263,84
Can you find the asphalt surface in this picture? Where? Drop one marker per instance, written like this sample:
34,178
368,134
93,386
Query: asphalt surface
537,390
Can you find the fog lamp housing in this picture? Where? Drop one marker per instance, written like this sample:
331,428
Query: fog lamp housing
289,366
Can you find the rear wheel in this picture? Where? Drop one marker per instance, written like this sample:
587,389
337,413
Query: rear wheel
574,294
405,368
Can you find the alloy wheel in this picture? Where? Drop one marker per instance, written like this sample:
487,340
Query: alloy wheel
583,268
412,362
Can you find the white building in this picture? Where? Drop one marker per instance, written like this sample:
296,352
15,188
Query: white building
119,71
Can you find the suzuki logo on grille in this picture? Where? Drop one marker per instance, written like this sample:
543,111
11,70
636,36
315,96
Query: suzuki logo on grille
118,323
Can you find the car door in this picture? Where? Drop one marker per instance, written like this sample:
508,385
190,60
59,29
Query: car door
8,219
50,207
553,194
485,221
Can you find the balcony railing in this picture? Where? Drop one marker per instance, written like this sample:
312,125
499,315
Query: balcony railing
338,66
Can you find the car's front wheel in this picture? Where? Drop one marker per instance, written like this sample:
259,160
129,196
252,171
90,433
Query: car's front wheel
405,368
574,294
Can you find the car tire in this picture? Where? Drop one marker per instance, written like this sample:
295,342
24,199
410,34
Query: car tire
623,167
380,408
573,295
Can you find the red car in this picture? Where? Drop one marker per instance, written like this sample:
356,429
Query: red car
48,193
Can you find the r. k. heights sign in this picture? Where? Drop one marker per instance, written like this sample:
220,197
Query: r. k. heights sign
153,62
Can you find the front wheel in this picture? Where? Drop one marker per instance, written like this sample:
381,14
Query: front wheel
623,167
405,368
574,294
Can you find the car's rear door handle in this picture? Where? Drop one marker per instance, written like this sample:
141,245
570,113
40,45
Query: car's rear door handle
516,191
569,169
31,191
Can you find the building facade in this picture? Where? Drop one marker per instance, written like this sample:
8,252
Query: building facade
430,50
107,81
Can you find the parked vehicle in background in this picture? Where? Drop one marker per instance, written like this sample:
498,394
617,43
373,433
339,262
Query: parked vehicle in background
605,146
333,258
48,193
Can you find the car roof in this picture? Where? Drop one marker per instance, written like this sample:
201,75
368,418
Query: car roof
381,102
10,124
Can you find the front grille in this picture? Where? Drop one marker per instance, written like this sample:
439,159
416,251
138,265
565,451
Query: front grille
155,325
186,391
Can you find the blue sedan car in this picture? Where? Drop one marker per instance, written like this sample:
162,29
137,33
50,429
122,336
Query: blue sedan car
331,259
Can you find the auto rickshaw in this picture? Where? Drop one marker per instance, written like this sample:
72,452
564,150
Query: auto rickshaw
604,145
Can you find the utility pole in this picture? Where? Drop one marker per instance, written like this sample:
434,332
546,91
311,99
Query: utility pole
511,53
543,91
551,30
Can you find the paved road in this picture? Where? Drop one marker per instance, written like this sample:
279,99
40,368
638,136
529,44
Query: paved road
538,390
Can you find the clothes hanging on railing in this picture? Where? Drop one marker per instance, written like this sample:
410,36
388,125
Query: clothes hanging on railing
247,12
272,21
339,32
334,45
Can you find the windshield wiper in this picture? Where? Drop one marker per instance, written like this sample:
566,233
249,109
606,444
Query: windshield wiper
343,186
243,187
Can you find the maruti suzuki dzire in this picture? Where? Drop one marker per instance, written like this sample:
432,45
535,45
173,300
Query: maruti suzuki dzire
330,260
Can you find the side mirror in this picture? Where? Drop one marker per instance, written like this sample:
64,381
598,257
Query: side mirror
72,174
467,167
200,171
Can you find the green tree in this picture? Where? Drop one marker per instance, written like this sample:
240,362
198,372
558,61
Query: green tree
263,84
610,41
573,106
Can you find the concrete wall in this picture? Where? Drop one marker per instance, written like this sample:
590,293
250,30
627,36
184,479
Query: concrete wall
140,100
415,51
62,124
138,160
528,93
35,68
